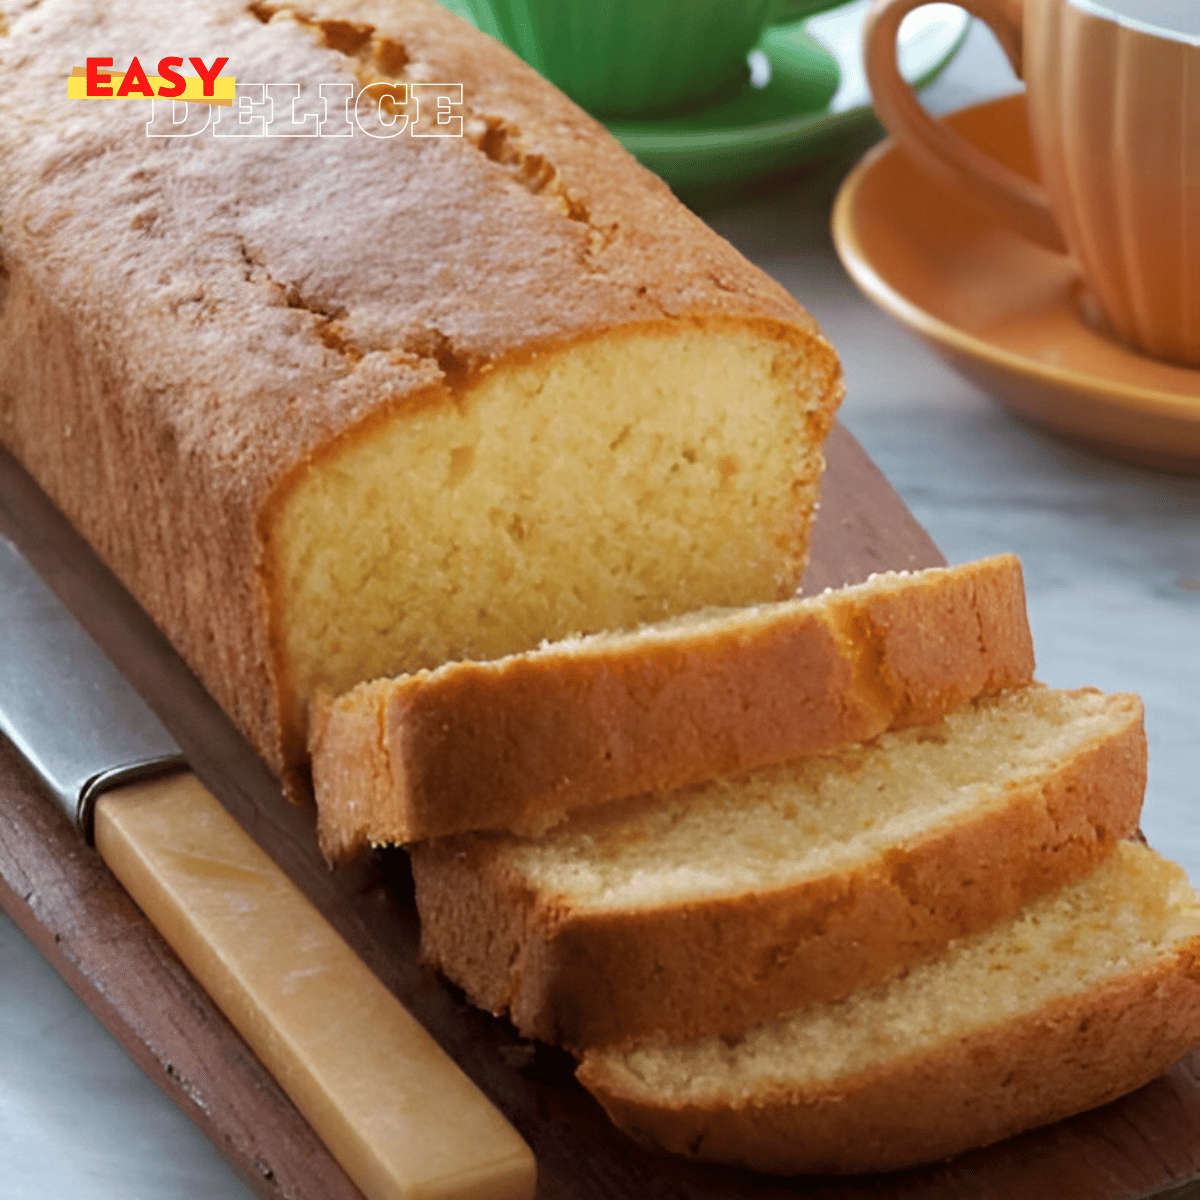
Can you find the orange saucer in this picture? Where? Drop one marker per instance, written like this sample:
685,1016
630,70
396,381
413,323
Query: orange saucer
1003,312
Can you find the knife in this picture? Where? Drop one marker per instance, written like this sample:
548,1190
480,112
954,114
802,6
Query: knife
391,1106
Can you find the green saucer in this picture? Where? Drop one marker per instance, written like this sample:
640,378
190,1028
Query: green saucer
753,131
806,93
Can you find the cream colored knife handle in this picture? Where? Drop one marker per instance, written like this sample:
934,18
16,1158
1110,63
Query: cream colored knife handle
394,1110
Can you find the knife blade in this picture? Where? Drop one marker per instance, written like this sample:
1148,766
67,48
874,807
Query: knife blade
393,1109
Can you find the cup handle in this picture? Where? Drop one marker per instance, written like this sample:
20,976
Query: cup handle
1007,196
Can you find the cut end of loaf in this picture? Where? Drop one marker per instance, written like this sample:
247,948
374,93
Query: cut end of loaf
611,482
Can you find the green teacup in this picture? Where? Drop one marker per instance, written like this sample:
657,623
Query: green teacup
622,58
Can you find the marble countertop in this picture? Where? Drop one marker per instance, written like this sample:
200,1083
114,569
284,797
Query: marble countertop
1112,568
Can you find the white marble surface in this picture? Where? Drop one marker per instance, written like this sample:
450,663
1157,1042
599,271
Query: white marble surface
1112,559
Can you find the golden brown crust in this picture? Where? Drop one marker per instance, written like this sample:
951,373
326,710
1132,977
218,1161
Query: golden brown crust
951,635
687,970
973,1090
239,308
514,744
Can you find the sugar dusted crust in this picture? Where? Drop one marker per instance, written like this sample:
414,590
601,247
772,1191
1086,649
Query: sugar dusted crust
515,744
250,312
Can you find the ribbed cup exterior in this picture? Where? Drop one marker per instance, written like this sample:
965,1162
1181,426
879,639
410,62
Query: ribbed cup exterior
1115,117
633,57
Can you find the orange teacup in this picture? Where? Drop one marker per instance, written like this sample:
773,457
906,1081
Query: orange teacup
1113,90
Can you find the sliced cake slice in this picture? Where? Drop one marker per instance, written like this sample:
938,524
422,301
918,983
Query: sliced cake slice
706,910
515,743
1083,997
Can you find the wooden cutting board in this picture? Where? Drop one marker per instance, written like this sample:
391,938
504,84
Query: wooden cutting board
61,894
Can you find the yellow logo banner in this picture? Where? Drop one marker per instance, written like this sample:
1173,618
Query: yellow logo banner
99,80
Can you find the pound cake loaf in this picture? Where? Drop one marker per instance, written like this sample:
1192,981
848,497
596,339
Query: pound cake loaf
515,744
1083,997
343,406
702,912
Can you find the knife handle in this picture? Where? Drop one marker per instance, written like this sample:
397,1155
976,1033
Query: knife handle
393,1109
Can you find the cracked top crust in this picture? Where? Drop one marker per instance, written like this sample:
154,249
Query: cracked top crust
261,245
